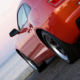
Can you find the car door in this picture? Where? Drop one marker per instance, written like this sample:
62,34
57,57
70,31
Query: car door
23,26
30,46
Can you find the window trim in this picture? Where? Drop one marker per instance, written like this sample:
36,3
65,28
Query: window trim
25,9
17,17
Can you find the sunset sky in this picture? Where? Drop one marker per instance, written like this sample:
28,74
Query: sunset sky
8,11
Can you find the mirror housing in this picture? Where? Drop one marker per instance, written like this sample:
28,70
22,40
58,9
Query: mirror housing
13,32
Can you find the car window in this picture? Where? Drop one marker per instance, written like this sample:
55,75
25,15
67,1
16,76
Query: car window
27,9
22,17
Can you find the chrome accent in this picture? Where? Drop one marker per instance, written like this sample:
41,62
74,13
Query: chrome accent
32,65
28,61
57,48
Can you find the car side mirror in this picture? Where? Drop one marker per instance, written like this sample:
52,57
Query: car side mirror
13,32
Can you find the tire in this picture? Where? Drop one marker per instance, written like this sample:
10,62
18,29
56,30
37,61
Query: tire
67,52
32,63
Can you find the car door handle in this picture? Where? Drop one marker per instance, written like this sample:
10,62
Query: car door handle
30,28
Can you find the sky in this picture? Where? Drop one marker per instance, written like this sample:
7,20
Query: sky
8,21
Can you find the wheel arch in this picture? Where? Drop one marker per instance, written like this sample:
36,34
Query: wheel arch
38,32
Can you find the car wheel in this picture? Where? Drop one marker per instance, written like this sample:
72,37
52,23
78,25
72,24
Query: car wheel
67,52
39,68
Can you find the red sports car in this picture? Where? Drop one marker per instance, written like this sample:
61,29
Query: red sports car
47,28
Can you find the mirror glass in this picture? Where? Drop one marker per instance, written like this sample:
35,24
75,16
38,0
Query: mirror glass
13,32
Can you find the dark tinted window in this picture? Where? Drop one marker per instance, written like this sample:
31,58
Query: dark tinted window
23,15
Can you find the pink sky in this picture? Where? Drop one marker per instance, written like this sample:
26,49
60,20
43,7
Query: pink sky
8,11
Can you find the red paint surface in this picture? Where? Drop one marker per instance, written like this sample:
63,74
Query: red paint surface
59,20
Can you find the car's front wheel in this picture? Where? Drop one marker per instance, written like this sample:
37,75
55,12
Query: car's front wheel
39,68
68,52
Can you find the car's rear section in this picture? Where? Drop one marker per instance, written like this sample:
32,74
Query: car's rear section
64,20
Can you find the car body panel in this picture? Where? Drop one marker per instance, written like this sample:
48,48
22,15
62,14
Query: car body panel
58,20
64,18
31,46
